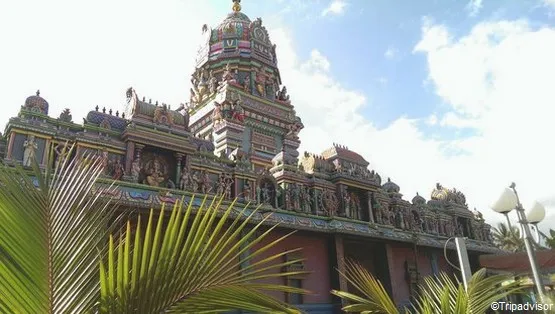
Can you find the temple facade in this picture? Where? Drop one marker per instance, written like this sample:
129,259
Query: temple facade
237,136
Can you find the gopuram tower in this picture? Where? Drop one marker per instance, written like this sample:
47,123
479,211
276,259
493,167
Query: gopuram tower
238,100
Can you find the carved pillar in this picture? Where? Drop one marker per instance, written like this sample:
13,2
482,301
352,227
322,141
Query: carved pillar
178,159
138,151
340,256
129,156
315,197
370,209
236,190
45,153
345,209
10,146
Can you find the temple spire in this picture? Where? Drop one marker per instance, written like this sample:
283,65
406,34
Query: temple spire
236,5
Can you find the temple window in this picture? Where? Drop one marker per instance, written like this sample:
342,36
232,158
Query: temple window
295,281
295,298
434,264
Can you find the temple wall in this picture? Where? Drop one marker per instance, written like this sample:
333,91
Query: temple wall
316,251
428,262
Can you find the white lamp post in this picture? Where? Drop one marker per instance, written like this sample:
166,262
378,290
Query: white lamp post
507,202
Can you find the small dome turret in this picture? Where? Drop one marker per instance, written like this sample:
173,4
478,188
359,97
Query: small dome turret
238,36
36,103
418,200
391,187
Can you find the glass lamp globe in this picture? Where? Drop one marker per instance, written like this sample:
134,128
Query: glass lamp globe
506,202
536,213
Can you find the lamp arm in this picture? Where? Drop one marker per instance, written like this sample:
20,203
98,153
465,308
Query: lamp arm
529,244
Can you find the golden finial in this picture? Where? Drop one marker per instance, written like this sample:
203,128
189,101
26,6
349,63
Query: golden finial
236,5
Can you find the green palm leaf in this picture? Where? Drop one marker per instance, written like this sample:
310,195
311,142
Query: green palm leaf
191,263
508,238
374,299
440,294
445,295
51,237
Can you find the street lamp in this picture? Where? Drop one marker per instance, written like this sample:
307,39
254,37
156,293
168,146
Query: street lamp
507,202
535,215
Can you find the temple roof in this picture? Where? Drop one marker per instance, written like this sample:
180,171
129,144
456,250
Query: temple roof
106,120
343,153
418,200
391,187
37,103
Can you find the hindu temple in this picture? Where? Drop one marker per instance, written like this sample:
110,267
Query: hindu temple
237,137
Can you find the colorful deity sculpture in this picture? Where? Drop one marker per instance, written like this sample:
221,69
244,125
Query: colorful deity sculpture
29,153
156,174
260,82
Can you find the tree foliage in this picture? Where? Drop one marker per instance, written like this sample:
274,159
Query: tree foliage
440,294
508,238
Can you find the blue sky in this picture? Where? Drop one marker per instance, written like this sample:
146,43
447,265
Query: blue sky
457,92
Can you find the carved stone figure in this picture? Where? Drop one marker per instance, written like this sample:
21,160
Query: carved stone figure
105,162
296,196
228,185
206,183
29,153
66,115
378,213
61,153
306,200
478,215
265,194
282,94
212,83
118,170
183,109
295,128
195,182
347,204
329,202
156,174
247,190
217,113
199,80
135,170
260,82
221,184
185,179
162,115
247,83
238,113
288,198
227,76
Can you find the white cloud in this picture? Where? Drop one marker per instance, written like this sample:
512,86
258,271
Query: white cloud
474,7
432,119
390,53
453,120
549,3
498,75
336,7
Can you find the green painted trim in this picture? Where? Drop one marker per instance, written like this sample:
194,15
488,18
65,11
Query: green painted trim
166,134
92,127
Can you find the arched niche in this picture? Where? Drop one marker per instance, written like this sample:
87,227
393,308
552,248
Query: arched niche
267,190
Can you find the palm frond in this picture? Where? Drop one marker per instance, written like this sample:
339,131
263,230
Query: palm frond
445,295
374,299
508,238
51,235
191,263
